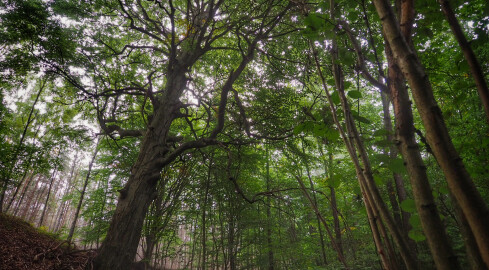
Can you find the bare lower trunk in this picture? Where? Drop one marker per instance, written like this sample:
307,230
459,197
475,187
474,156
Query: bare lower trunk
128,218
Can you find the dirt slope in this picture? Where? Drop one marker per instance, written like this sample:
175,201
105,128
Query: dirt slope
24,247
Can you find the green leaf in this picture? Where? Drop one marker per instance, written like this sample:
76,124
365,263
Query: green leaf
324,5
313,22
382,158
355,94
319,130
408,205
383,143
396,165
361,119
444,190
298,129
346,57
416,235
336,98
380,132
334,182
415,221
332,134
379,180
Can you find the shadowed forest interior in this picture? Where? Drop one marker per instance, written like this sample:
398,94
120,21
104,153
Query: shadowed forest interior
244,134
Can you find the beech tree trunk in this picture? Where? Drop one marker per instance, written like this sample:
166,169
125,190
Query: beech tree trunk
459,181
120,245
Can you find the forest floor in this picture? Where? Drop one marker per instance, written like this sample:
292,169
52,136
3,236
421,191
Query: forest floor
25,247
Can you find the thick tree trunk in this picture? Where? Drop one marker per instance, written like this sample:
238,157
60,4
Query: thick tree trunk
119,248
459,181
120,245
475,67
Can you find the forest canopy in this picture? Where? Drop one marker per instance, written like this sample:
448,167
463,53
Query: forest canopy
250,134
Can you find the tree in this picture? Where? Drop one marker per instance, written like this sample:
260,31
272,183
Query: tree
190,32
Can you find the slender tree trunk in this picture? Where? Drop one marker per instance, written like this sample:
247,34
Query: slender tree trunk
334,206
341,258
65,205
473,255
231,241
17,188
24,184
364,175
82,195
37,204
474,65
29,199
372,219
46,203
401,217
459,181
271,261
13,161
204,209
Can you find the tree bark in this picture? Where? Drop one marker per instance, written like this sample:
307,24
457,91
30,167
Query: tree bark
405,137
459,181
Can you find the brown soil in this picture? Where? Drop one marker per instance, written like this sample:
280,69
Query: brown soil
24,247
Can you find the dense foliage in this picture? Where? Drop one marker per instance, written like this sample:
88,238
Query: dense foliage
242,134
